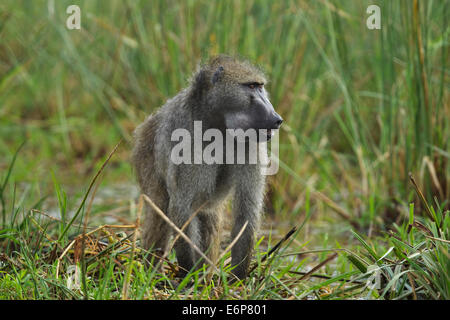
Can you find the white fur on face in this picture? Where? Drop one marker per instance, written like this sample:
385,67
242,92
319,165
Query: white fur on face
238,120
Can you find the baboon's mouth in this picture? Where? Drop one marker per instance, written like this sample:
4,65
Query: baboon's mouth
270,134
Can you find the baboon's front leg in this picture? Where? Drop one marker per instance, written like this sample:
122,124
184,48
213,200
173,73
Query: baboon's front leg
247,208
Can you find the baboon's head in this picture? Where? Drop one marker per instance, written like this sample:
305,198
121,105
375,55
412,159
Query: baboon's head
233,90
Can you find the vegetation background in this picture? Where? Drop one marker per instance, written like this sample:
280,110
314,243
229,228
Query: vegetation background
362,108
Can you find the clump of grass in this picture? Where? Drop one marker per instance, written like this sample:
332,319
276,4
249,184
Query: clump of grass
416,265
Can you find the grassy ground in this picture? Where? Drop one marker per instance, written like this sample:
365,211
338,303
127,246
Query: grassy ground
362,108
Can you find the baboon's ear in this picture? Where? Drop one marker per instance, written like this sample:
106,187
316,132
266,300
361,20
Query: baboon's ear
217,75
201,84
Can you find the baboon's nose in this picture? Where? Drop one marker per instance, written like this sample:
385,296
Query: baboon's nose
277,121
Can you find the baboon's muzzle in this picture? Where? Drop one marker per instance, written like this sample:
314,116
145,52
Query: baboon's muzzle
270,120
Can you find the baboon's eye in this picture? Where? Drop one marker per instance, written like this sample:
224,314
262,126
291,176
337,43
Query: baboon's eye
255,85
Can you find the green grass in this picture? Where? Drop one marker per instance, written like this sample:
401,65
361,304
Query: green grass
362,108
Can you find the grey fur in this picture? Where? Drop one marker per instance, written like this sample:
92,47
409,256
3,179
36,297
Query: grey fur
219,97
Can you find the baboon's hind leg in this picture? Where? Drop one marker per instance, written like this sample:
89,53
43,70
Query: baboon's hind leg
210,236
156,232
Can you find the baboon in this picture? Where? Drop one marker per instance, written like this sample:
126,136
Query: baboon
225,93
